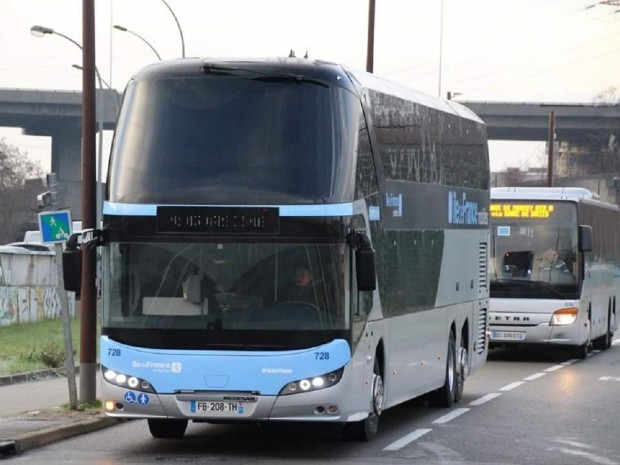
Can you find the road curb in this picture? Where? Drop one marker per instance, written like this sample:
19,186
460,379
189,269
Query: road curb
31,440
31,376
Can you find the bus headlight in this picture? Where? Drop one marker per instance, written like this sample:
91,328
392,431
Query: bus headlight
123,380
312,384
564,316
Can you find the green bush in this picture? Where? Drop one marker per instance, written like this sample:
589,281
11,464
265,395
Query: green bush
52,355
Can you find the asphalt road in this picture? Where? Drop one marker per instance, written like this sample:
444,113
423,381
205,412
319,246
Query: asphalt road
523,407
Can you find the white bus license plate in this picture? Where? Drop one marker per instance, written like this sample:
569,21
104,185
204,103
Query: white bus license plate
217,407
507,336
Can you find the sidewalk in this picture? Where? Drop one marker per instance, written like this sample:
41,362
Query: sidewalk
31,412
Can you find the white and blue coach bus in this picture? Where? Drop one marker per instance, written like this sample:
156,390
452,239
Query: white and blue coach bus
555,268
228,176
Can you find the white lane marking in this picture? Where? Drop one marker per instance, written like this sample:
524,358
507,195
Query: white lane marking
405,440
402,442
570,442
484,399
554,368
609,378
615,342
511,386
575,446
451,416
587,455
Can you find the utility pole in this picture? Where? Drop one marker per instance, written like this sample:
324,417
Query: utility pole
370,49
550,148
88,299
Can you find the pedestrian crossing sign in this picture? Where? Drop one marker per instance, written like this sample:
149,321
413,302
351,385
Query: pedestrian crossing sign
55,226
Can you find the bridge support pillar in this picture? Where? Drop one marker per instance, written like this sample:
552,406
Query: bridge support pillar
67,162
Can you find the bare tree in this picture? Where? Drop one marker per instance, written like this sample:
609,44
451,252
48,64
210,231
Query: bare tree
17,205
608,96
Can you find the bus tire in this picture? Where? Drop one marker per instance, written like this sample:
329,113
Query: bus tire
604,342
167,429
462,361
445,395
581,352
366,429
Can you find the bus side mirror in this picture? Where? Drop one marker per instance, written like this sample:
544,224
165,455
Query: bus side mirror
72,264
365,265
585,238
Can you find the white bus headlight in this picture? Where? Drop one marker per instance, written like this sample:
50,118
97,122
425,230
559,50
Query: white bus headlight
122,380
564,316
312,384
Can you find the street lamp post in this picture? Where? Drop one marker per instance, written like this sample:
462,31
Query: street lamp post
178,25
40,31
370,47
440,48
124,29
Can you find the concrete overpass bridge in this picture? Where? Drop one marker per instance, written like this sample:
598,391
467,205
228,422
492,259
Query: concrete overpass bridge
577,123
58,114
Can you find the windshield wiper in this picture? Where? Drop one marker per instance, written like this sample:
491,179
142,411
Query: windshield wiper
289,77
212,68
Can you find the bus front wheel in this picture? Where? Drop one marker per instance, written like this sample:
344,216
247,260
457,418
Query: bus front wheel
446,394
366,430
167,429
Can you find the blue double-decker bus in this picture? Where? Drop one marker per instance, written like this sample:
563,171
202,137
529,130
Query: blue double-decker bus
289,240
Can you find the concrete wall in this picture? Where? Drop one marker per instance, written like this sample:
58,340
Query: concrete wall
28,290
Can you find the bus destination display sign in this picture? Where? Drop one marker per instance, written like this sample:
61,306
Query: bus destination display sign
521,210
217,220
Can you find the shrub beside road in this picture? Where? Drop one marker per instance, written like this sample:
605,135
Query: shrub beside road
27,347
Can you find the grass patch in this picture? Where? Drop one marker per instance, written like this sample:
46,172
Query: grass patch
26,347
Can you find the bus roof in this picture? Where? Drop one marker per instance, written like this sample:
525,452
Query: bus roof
574,194
326,71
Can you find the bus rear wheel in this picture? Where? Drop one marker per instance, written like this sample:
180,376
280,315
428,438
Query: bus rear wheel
167,429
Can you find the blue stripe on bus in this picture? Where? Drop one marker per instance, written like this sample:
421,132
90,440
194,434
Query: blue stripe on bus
138,209
264,371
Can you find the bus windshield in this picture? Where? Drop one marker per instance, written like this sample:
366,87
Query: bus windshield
233,139
534,249
204,295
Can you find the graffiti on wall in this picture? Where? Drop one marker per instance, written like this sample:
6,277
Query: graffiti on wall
27,304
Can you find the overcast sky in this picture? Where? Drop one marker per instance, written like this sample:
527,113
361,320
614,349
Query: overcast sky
484,50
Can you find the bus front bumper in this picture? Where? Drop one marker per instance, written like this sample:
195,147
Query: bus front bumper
314,406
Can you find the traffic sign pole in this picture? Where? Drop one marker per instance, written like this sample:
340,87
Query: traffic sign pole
56,228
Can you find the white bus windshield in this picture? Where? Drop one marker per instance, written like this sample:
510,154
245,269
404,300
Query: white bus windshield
534,250
234,140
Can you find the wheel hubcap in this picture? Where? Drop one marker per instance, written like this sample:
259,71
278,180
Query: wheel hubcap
377,394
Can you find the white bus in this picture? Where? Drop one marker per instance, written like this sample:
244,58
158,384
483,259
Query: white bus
260,167
555,275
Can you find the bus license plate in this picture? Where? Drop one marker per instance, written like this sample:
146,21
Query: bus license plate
214,407
507,336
